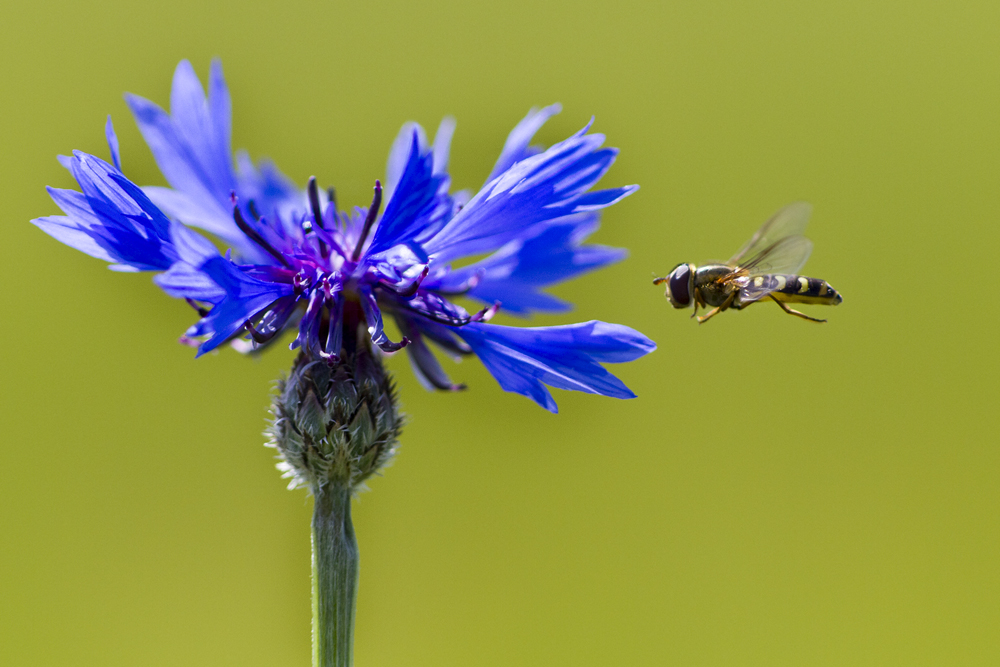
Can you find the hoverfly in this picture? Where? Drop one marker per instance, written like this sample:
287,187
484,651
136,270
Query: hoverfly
765,268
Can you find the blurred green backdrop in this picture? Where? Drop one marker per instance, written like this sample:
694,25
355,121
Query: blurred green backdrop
780,493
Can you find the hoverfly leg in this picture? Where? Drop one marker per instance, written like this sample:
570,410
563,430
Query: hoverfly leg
792,311
718,309
697,300
712,313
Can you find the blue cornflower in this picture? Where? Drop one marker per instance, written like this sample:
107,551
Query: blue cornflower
296,261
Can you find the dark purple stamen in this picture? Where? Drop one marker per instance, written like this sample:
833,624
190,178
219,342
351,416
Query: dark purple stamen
425,360
272,319
387,345
448,320
331,194
253,210
256,237
369,221
317,211
486,314
323,234
410,289
201,311
465,287
301,282
259,337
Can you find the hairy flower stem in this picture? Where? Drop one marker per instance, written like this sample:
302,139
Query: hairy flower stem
334,576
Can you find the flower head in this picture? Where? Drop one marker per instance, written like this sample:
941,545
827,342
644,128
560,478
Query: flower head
297,261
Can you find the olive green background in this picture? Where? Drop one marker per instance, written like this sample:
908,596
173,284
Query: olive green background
780,493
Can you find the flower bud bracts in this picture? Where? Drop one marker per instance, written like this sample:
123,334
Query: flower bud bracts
335,422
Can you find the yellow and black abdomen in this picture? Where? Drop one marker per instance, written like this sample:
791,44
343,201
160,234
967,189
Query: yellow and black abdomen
795,289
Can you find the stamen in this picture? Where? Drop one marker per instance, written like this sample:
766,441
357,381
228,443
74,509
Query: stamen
373,316
331,194
410,289
424,361
331,240
301,282
457,347
190,342
254,236
387,345
317,211
445,319
369,221
201,311
465,287
272,319
258,337
252,205
486,314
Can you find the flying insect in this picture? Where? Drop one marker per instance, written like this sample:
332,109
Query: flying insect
765,269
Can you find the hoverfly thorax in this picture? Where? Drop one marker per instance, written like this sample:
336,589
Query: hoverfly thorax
680,285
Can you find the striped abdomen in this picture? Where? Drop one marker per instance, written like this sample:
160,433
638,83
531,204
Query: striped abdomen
791,289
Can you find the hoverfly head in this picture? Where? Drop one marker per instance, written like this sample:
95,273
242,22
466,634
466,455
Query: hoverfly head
680,285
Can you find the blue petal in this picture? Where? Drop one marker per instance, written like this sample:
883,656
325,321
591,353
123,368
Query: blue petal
181,206
221,111
415,204
111,220
399,157
594,201
514,274
111,196
195,121
275,195
308,335
109,132
538,189
516,148
442,144
523,360
245,296
184,281
191,148
519,299
439,333
74,234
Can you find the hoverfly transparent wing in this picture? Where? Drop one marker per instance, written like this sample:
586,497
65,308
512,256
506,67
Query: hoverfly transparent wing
787,255
789,221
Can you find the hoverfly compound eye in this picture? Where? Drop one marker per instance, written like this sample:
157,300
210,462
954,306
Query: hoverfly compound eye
679,286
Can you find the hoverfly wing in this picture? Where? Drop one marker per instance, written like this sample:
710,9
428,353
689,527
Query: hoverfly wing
785,256
789,221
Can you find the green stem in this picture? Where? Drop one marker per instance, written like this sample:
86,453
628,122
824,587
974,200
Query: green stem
335,577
